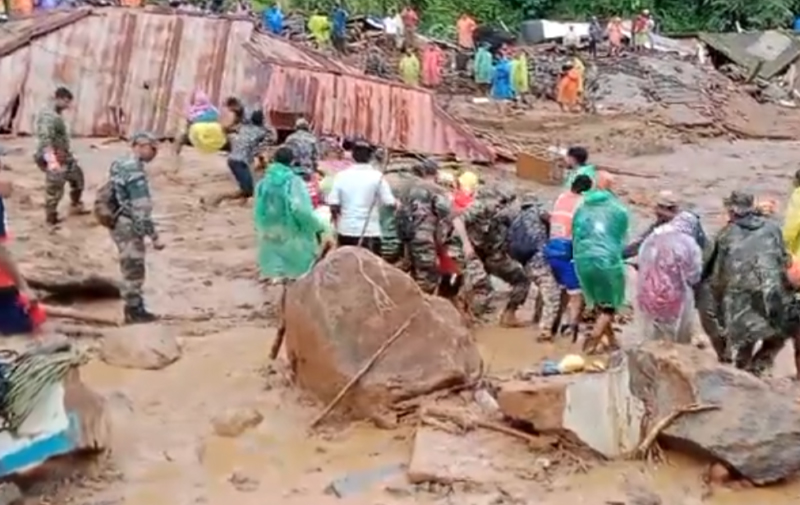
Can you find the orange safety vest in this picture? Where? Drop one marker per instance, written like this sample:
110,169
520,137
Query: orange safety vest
563,212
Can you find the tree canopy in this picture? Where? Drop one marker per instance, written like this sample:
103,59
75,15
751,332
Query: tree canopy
674,16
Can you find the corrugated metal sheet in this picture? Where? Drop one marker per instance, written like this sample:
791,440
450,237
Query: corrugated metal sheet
133,69
17,33
776,49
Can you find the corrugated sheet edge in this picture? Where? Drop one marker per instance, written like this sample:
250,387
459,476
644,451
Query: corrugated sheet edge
50,23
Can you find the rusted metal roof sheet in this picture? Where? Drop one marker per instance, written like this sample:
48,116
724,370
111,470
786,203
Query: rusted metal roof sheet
390,114
19,32
133,69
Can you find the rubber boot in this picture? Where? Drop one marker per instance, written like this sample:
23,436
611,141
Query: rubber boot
138,315
77,208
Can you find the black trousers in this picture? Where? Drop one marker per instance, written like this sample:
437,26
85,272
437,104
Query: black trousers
373,244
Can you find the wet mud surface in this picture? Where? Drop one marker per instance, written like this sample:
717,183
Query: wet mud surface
165,450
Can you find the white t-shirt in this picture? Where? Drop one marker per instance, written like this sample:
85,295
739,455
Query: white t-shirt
390,25
353,190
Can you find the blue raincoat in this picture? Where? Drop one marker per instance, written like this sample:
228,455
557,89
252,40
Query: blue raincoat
501,80
339,22
273,20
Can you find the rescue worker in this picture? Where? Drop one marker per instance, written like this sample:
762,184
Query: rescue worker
54,157
17,300
486,223
304,145
422,222
559,250
577,161
670,265
527,238
134,223
392,248
246,140
747,274
375,63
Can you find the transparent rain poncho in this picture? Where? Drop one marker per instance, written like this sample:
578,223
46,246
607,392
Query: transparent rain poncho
287,228
670,265
599,231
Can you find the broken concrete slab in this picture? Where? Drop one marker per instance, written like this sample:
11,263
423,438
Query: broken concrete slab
478,457
755,430
574,405
359,481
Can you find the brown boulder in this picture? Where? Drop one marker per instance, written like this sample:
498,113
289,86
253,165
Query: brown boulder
342,312
148,347
755,430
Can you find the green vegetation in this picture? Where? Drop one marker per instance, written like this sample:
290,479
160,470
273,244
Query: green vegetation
675,16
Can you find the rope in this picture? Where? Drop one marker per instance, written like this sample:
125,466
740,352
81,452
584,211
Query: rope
28,375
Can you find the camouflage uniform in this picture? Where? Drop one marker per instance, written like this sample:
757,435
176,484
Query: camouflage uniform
424,218
135,222
52,135
305,147
751,295
487,221
246,143
376,65
532,224
392,248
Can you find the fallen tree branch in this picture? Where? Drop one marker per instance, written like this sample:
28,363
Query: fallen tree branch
364,369
468,423
647,442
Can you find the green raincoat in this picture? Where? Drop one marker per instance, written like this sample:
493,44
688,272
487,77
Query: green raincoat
287,228
599,232
483,66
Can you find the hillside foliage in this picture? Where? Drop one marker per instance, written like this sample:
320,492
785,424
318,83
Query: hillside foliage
673,16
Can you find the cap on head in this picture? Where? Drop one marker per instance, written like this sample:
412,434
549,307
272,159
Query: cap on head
301,124
143,138
667,200
426,168
529,199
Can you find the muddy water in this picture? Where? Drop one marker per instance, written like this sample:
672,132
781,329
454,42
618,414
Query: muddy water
164,447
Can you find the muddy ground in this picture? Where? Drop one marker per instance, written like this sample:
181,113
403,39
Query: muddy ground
164,451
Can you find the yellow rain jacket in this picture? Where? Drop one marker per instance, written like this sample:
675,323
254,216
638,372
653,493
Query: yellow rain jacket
320,28
791,225
409,69
519,74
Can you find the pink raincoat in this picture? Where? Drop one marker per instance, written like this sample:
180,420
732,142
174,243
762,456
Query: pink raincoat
199,106
432,60
670,264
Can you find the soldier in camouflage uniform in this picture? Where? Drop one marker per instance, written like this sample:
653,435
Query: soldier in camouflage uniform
423,222
54,157
392,248
304,145
487,221
746,271
375,63
530,229
134,224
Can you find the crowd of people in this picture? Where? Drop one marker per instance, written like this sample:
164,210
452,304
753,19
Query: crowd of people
450,234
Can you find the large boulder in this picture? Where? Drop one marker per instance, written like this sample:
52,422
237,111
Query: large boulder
343,311
756,429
